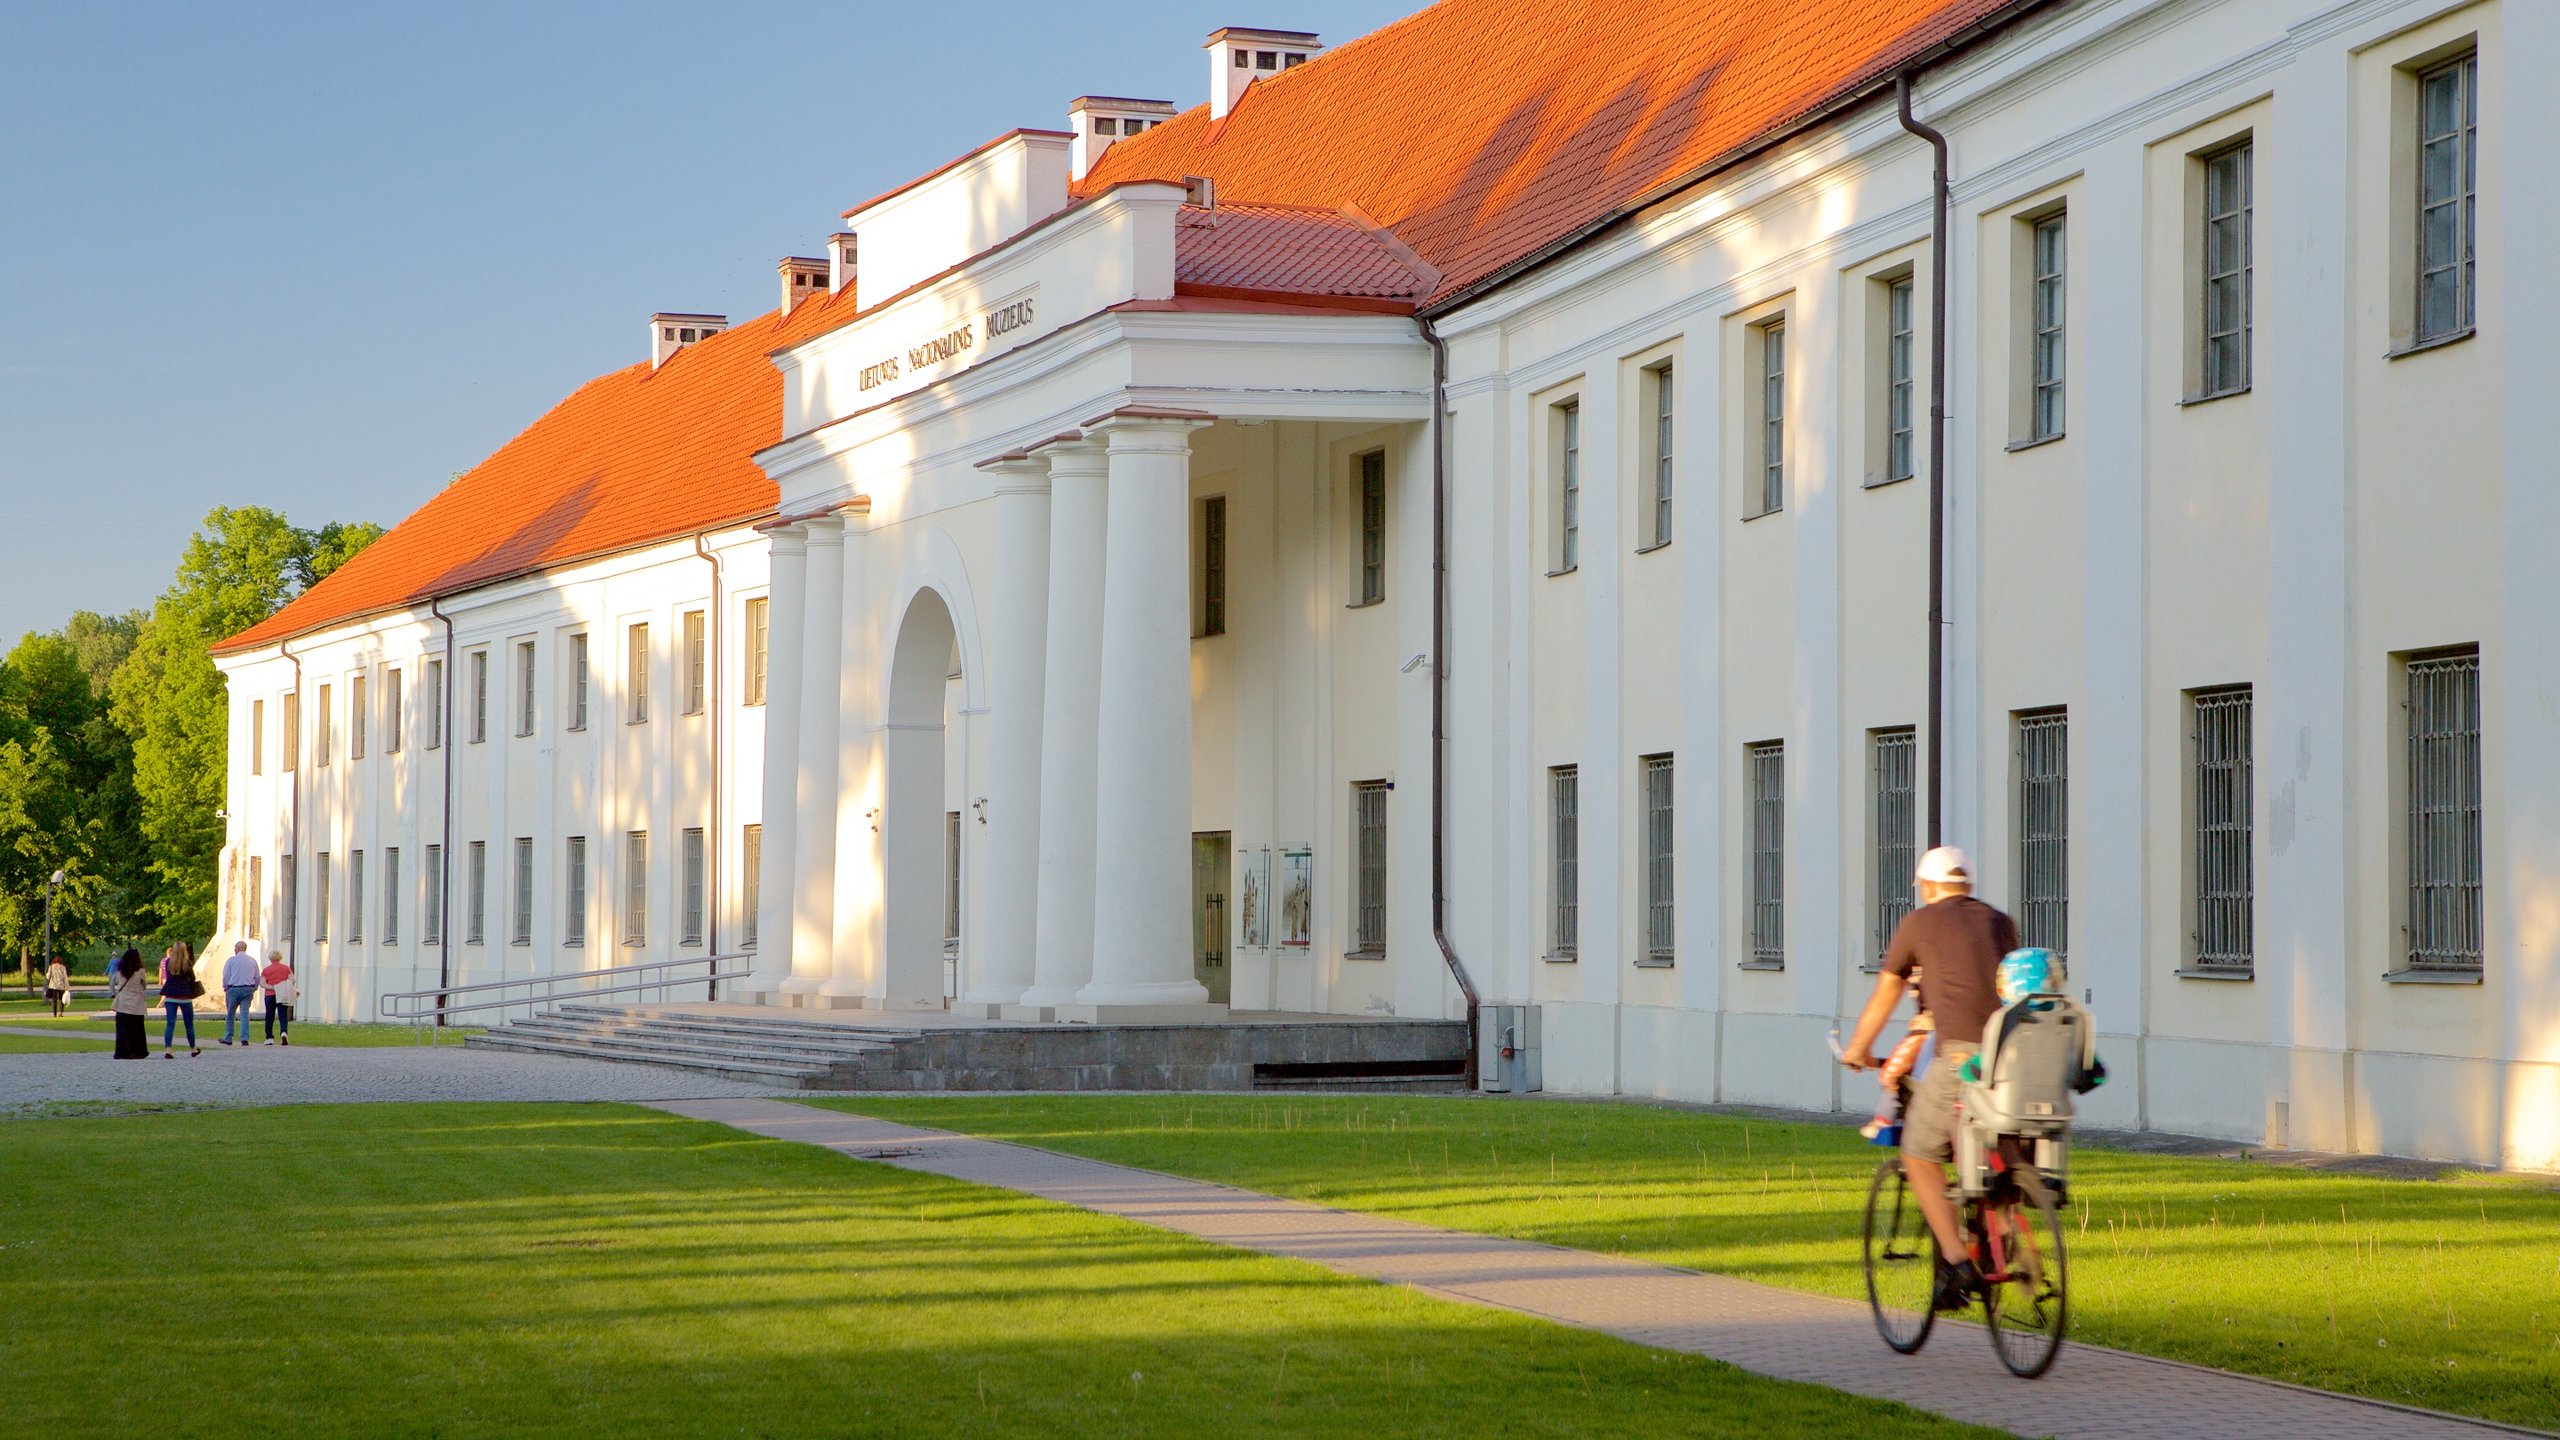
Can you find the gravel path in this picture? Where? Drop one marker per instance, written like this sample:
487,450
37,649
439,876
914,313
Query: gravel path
289,1075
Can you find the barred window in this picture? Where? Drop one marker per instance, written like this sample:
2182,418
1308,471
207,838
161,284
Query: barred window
291,739
1568,421
526,678
1659,916
1564,914
479,696
635,888
578,681
573,910
523,931
475,915
751,877
320,730
257,737
391,895
356,717
2229,220
951,883
1765,765
636,654
1213,566
1373,527
1898,369
2448,195
1894,793
2044,829
355,897
291,900
320,910
697,662
395,708
2223,782
2444,836
759,637
1773,416
435,704
431,904
2045,255
690,931
1369,803
257,893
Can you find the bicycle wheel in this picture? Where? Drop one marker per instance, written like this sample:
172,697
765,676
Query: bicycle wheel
2028,1300
1901,1261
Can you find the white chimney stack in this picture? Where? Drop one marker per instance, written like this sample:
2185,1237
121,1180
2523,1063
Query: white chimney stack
841,249
1238,57
669,333
1098,120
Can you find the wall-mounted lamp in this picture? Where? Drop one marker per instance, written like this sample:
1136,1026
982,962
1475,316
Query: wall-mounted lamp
1417,662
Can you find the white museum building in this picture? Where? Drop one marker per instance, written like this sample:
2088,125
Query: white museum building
1449,521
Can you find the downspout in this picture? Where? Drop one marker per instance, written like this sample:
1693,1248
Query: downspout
719,765
444,880
1440,688
1937,444
293,921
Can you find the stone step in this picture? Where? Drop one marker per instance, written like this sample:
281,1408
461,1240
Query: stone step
648,1037
758,1025
752,1071
827,1036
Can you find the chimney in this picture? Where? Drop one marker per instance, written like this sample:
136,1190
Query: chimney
840,248
1238,57
1097,120
802,277
671,333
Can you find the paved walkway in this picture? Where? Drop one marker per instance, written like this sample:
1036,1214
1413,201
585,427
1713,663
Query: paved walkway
2091,1392
300,1074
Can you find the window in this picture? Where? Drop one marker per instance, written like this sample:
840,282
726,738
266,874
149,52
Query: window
697,647
355,898
2229,242
395,709
521,931
356,717
1766,764
479,696
1213,566
2218,804
1373,527
526,677
1894,813
1899,460
951,885
578,681
1658,912
1567,418
2044,829
2444,864
292,899
431,904
1564,912
2448,196
573,910
1369,851
257,892
690,931
1769,345
292,738
475,918
435,704
751,878
391,895
636,651
320,730
2045,332
320,910
759,634
257,737
1659,393
635,888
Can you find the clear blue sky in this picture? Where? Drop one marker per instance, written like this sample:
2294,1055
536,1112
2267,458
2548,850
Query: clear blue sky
321,257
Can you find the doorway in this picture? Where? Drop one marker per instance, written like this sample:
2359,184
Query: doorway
1209,855
916,879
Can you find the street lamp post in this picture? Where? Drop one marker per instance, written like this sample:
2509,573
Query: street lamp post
51,884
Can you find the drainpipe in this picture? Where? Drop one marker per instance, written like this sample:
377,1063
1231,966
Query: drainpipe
293,830
1440,687
719,767
1937,442
444,881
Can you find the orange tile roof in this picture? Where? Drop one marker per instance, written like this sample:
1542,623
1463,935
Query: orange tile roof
1298,249
1483,131
632,457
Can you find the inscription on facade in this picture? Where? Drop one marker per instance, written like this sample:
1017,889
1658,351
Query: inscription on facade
948,346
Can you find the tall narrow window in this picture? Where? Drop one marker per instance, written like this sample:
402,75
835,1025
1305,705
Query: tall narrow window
434,704
2444,835
2229,243
1900,462
320,897
1893,812
2448,195
391,895
1568,420
320,730
1767,766
1369,859
527,675
1213,566
431,903
1373,527
578,681
521,931
697,662
290,902
257,893
695,865
751,881
636,653
2045,340
951,846
2218,801
479,696
395,699
257,737
357,718
1659,914
1773,416
573,904
759,636
355,898
2044,830
475,914
292,736
635,888
1564,865
1662,441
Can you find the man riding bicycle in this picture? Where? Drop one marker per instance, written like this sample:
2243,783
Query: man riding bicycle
1954,943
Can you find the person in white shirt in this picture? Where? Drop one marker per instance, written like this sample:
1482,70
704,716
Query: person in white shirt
239,987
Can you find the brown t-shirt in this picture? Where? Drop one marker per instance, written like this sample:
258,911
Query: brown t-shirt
1956,945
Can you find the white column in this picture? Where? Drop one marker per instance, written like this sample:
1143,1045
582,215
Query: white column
813,887
854,979
1016,673
1070,707
785,594
1142,756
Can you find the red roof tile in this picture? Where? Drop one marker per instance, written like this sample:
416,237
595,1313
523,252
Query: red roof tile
1296,248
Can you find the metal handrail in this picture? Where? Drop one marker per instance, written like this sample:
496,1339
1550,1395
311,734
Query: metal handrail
427,1006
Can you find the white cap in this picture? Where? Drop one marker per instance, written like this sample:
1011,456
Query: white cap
1946,865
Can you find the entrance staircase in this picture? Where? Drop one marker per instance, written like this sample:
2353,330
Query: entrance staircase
801,1054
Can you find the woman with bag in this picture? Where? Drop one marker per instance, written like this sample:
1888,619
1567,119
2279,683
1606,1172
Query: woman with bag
57,987
179,990
129,996
282,992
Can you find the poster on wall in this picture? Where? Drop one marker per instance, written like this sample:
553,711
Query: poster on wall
1253,902
1297,897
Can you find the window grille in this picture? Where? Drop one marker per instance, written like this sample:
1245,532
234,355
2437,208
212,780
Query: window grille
2044,830
578,681
291,739
573,914
1373,527
391,895
526,674
1564,802
1767,764
2448,195
2445,892
395,709
636,651
697,662
320,911
1369,801
257,737
431,905
759,634
951,881
479,696
1663,394
355,898
690,931
2046,253
1895,794
1569,486
1773,416
2229,222
435,704
356,718
2225,884
320,730
291,901
1898,390
751,876
257,893
475,920
635,888
522,934
1213,565
1659,915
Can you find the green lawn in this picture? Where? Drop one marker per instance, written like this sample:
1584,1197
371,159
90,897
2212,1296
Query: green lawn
2443,1293
54,1044
603,1270
209,1029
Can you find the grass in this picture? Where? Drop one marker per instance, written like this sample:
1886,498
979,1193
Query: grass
54,1044
2443,1292
437,1270
209,1029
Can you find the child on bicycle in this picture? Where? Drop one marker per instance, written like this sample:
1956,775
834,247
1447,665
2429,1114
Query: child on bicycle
1909,1059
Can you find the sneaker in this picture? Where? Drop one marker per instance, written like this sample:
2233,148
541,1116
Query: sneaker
287,1040
225,1040
1957,1286
271,1042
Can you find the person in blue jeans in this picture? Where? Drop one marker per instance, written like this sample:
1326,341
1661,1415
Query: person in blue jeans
179,989
239,987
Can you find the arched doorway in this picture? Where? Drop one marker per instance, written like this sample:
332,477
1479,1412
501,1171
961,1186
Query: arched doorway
915,836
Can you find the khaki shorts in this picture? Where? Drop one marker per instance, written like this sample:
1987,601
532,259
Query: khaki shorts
1929,1125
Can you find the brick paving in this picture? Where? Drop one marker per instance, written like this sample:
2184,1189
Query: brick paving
2091,1392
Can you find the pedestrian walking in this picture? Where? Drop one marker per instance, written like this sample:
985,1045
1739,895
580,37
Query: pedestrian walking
239,987
129,996
57,987
283,991
179,991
